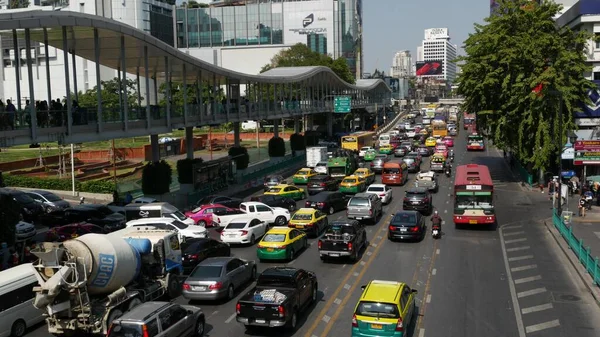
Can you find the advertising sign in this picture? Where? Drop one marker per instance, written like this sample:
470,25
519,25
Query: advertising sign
436,33
304,18
587,145
587,157
428,68
568,154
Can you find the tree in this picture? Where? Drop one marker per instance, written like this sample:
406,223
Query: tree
177,91
18,4
518,68
194,4
110,94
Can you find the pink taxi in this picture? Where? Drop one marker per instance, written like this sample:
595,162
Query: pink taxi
441,148
449,141
203,215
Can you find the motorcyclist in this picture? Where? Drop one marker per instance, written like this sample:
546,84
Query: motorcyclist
436,221
448,167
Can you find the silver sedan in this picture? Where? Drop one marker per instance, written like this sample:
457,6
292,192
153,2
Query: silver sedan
217,278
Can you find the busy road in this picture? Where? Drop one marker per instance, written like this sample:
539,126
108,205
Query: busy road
500,281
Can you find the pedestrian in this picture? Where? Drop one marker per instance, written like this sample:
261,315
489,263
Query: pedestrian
128,198
115,196
581,206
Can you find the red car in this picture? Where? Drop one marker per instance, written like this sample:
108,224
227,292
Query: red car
203,215
448,141
67,232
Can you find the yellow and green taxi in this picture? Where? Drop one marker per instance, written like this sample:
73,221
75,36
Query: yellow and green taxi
309,220
385,308
366,174
287,191
431,142
352,184
370,155
302,176
386,149
281,244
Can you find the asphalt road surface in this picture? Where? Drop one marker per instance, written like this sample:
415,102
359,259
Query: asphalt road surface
507,281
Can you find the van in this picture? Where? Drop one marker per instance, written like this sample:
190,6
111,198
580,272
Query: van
384,139
394,173
135,211
17,312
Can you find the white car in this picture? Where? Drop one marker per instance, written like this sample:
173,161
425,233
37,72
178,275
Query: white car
407,125
321,167
426,121
183,230
384,192
410,133
244,231
363,150
24,231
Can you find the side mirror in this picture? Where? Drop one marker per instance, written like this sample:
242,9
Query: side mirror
414,291
363,287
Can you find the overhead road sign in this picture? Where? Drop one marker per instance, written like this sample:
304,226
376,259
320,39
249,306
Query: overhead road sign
342,104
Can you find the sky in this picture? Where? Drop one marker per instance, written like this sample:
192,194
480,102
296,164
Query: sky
393,25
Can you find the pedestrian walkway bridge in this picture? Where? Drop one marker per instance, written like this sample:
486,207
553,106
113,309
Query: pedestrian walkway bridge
226,96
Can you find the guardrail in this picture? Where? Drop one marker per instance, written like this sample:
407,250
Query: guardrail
589,262
389,125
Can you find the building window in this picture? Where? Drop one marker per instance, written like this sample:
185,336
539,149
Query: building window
596,76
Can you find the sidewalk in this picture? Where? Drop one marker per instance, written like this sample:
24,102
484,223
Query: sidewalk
587,228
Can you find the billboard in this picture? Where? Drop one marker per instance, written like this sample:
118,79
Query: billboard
306,18
436,33
427,68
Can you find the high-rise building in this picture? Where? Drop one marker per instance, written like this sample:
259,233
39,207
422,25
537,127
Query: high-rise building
245,35
420,54
154,17
401,65
438,54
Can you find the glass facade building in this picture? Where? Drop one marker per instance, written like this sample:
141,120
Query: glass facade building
161,24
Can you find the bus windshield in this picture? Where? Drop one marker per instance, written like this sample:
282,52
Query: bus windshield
439,126
474,201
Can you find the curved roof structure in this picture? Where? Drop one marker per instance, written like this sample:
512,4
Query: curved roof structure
80,40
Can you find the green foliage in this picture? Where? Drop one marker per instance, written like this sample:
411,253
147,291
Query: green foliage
297,142
92,186
241,157
312,138
276,147
9,217
506,59
110,94
177,90
185,170
194,4
18,4
156,178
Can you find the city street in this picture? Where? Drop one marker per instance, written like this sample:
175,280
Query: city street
507,281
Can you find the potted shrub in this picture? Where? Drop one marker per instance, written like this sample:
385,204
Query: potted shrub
185,173
156,178
276,148
240,156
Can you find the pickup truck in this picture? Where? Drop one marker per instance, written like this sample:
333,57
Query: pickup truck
277,216
427,180
281,293
343,239
364,206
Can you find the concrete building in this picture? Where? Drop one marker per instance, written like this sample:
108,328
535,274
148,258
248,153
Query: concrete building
438,52
245,35
420,56
402,65
151,16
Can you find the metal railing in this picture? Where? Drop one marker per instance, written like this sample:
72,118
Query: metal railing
584,254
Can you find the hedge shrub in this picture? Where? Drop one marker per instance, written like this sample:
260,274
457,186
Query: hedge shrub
92,186
276,147
240,155
9,217
156,178
312,138
185,170
297,142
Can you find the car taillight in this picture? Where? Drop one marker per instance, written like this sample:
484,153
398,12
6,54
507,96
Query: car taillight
372,164
281,311
382,195
426,200
320,204
392,228
307,203
244,233
237,308
260,246
194,256
215,286
354,321
399,325
186,286
145,331
414,229
370,212
310,224
406,199
320,244
349,245
323,184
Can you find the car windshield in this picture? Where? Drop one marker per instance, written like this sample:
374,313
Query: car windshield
51,197
404,219
390,170
302,217
274,190
376,309
274,238
340,230
376,189
303,172
206,271
321,163
417,195
236,225
349,181
126,330
179,224
104,210
358,202
271,179
474,201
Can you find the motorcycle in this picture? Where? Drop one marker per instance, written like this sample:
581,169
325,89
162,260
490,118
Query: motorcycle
436,231
573,187
447,172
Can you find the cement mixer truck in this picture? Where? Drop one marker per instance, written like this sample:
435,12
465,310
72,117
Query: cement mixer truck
87,282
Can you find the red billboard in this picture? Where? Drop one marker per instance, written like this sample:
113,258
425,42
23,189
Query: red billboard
426,68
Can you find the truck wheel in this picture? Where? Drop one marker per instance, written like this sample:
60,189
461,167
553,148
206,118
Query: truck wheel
291,325
18,328
116,313
173,286
199,332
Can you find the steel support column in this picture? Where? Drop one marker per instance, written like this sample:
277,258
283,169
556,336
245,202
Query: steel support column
168,90
32,113
67,80
189,142
155,148
47,59
124,86
17,73
147,79
236,133
75,90
99,117
185,103
139,91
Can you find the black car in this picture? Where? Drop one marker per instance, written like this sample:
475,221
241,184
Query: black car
407,225
274,180
320,183
195,250
30,209
221,200
418,199
105,217
276,201
99,215
328,202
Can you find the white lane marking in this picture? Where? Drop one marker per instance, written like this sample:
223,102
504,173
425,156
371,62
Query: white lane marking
523,268
437,252
513,291
519,258
362,263
528,279
228,320
326,318
542,326
374,244
445,211
434,271
595,233
380,237
369,253
515,240
537,308
428,299
513,226
337,301
514,233
516,248
448,194
422,333
347,286
356,273
531,292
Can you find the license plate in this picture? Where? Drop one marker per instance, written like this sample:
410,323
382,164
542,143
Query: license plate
377,326
299,226
473,222
261,321
270,249
201,288
313,205
415,202
334,255
403,229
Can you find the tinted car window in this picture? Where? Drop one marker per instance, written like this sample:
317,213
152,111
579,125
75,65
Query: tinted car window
377,309
340,229
51,197
407,219
126,330
207,271
359,202
22,198
415,195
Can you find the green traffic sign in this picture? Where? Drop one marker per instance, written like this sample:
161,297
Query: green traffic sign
342,104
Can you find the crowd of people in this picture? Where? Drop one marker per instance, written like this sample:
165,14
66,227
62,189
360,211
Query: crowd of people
14,256
51,114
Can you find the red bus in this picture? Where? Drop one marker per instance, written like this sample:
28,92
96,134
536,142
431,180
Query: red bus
473,196
468,120
475,142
